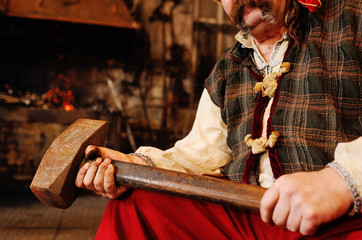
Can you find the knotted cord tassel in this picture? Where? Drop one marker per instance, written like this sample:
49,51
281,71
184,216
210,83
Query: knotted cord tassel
270,81
261,144
273,138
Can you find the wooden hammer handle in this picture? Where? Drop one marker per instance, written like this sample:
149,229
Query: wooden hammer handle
203,188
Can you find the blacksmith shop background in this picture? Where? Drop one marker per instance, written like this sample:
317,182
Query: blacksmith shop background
59,60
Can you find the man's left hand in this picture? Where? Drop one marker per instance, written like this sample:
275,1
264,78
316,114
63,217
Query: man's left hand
301,202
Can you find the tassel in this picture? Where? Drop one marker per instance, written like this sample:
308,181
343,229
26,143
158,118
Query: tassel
270,81
261,144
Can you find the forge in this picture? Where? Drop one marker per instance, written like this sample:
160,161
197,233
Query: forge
55,57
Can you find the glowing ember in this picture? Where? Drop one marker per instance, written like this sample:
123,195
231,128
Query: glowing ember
61,96
68,107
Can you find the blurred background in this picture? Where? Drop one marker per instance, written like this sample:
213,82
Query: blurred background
60,60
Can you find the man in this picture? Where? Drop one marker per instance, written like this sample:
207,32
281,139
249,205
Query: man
272,113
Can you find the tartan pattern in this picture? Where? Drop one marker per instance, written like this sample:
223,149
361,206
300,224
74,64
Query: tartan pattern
319,100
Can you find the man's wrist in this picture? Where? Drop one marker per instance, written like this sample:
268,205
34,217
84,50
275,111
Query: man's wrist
351,185
144,158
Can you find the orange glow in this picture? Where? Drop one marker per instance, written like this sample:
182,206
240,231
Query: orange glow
61,96
68,107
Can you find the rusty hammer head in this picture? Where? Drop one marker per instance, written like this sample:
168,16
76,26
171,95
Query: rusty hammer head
54,181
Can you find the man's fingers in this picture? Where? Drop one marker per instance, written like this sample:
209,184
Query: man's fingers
111,189
92,152
89,177
308,227
81,174
98,181
281,212
294,219
268,203
98,176
111,154
310,220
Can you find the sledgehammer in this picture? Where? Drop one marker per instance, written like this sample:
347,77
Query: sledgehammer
54,181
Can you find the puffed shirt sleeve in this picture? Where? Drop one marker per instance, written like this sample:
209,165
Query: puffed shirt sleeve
349,155
203,151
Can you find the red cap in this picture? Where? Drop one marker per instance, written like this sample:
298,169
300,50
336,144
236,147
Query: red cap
312,5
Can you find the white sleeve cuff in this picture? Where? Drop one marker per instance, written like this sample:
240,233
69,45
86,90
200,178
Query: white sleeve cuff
349,157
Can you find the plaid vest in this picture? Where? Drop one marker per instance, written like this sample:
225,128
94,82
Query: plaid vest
317,103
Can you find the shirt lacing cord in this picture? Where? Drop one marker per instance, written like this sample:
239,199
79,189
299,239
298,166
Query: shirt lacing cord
270,82
261,144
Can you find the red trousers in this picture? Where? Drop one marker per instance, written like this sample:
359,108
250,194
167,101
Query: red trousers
147,215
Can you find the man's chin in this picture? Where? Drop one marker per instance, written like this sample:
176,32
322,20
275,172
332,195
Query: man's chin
246,29
252,17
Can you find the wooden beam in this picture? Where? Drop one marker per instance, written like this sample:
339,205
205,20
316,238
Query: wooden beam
99,12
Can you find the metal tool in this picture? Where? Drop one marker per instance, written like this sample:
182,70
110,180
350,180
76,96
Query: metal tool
54,180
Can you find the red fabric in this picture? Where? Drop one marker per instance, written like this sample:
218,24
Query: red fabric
312,5
148,215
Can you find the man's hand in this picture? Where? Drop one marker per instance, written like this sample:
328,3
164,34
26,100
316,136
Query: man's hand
98,176
301,202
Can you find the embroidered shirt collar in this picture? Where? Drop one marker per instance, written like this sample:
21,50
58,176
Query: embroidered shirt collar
248,41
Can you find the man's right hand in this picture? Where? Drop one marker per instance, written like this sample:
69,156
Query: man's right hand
98,176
